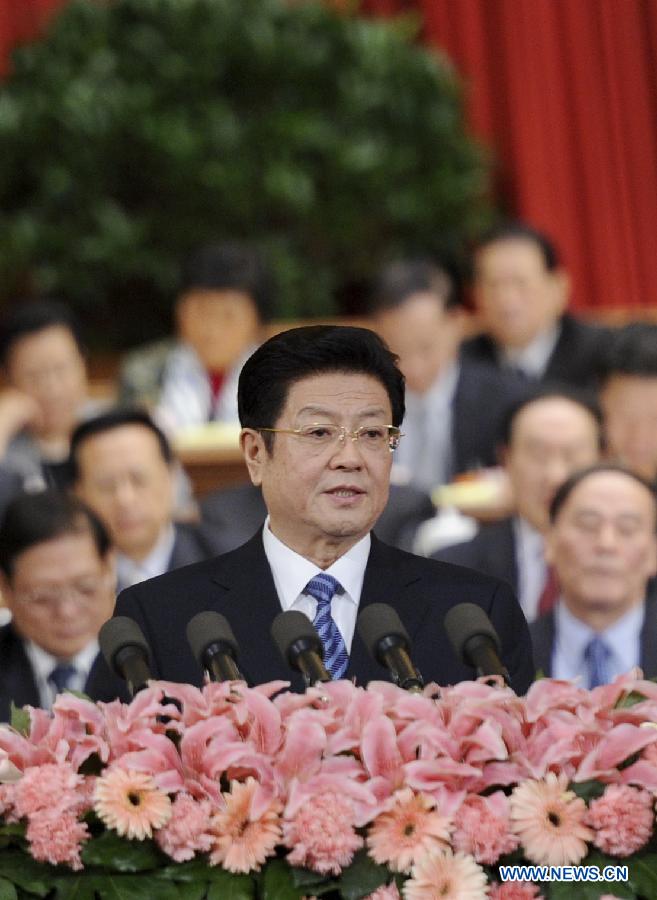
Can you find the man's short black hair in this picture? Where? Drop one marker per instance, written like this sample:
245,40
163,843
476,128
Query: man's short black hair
517,230
32,519
230,265
115,418
32,316
585,399
564,491
633,351
299,353
400,279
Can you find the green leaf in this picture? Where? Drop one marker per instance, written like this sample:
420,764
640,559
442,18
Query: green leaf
20,719
194,870
239,887
362,877
588,790
592,890
191,890
629,699
643,874
25,872
77,887
7,890
131,887
305,877
278,882
120,854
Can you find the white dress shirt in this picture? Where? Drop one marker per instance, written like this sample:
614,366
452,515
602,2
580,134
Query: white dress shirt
292,573
130,571
43,663
572,636
530,562
532,360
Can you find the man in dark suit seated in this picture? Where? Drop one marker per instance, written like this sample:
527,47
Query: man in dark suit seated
629,398
453,406
603,546
521,293
57,578
544,439
320,409
122,465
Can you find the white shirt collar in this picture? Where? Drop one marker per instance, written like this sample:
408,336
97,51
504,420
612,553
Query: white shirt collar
623,638
131,572
292,572
533,358
43,663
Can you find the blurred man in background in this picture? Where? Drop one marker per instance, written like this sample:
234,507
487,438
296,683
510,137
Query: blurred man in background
45,394
544,440
629,398
453,406
57,578
603,545
521,293
224,298
122,466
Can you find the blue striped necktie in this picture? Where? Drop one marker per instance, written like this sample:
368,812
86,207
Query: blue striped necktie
597,655
61,676
323,587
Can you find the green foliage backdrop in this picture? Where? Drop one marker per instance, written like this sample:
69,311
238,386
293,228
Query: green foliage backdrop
138,128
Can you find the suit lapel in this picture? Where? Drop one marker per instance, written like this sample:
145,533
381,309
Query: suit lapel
648,660
387,580
501,557
245,593
17,675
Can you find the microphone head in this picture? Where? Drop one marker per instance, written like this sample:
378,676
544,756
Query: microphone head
378,621
208,628
465,621
117,634
291,628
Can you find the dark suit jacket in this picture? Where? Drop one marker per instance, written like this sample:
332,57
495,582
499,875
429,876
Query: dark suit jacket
491,551
577,358
231,516
483,395
17,680
542,632
240,585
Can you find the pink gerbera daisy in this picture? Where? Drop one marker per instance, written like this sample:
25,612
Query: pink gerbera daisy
410,828
622,818
130,803
242,841
447,876
550,821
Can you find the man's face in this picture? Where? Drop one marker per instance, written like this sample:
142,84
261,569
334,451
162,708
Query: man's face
48,366
326,497
60,594
219,325
550,439
516,295
629,404
126,481
603,544
424,335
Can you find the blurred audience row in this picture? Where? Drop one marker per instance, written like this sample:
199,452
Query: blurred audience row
94,489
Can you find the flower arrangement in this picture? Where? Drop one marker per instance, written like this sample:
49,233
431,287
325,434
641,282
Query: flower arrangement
237,792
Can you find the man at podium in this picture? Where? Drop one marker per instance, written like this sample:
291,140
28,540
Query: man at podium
320,409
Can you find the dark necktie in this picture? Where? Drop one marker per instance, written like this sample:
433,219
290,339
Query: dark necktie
550,592
61,676
597,655
323,587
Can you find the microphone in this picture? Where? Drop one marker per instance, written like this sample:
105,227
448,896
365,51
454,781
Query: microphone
126,652
388,642
300,645
214,646
475,640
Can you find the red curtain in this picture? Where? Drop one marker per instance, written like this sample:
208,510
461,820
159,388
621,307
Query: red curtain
565,93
